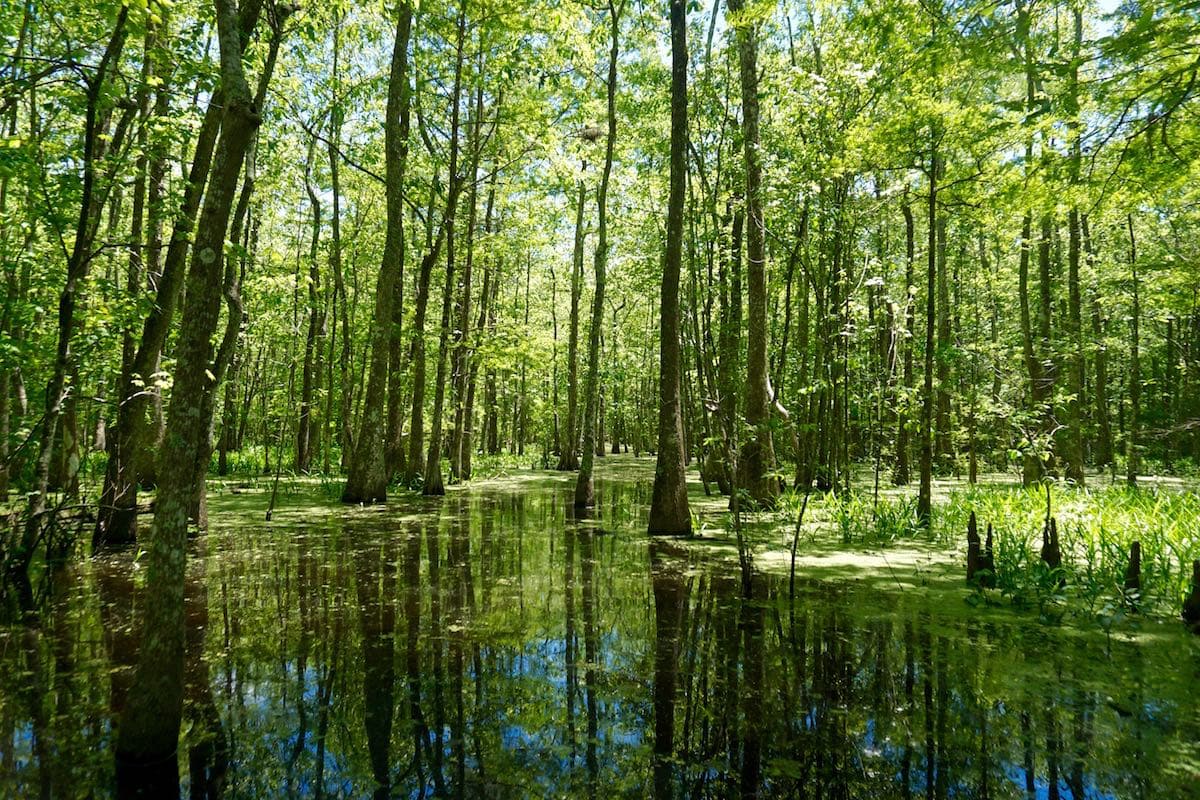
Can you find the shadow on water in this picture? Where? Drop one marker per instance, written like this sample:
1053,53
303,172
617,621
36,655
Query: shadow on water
500,644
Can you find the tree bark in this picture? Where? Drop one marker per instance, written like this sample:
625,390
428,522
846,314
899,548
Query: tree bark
368,478
585,488
432,483
756,463
568,457
669,512
1132,455
149,728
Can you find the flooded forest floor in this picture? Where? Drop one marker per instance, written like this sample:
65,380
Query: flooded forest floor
496,643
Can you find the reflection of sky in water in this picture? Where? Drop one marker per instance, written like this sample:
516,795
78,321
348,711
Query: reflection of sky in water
834,692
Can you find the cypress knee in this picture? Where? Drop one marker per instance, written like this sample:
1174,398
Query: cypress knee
1051,553
1191,606
1133,572
987,562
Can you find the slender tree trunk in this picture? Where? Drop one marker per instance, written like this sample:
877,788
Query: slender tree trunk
568,457
944,444
78,263
925,493
432,484
756,462
729,366
368,478
902,473
414,463
1103,454
462,348
310,373
669,512
1132,455
585,489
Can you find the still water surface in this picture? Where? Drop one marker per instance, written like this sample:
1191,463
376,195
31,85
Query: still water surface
492,644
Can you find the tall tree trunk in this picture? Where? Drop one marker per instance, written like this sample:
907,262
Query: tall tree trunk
1103,453
568,457
585,488
756,464
729,366
310,374
1072,433
902,473
432,483
368,478
79,260
149,729
116,519
1132,455
413,463
925,493
944,444
462,347
669,512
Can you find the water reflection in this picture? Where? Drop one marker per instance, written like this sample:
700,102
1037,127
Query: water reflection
496,644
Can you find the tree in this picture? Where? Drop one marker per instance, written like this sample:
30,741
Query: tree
149,728
669,511
756,464
369,475
585,490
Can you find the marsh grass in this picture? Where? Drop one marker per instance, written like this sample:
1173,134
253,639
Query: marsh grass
1096,527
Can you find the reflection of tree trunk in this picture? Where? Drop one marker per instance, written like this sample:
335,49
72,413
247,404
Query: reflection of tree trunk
1027,753
412,652
942,784
1053,749
910,683
670,593
591,644
571,644
458,555
926,655
208,756
751,624
115,587
436,637
375,581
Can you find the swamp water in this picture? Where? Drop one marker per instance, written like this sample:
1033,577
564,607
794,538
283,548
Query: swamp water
492,644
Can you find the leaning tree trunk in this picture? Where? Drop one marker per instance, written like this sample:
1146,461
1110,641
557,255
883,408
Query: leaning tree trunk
149,728
116,519
669,512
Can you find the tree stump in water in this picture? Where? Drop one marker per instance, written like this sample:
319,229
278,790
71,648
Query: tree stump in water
1051,552
1191,606
973,553
1133,572
987,562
